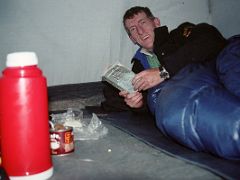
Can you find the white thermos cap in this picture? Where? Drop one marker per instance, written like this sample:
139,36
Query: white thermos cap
18,59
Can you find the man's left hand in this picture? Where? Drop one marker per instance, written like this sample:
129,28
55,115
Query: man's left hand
134,100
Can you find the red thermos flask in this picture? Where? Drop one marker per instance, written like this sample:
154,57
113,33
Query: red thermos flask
25,142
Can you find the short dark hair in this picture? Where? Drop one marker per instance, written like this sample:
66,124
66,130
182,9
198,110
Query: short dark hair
130,13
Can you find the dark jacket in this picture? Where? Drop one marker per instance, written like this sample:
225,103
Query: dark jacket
186,44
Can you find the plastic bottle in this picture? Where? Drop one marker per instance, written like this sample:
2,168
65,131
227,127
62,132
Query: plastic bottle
25,140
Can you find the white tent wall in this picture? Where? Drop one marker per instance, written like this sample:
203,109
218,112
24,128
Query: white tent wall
226,16
76,40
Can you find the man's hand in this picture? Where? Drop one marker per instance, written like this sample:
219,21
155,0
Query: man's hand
147,79
134,100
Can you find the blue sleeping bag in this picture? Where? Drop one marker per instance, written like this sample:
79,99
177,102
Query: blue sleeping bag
228,65
200,107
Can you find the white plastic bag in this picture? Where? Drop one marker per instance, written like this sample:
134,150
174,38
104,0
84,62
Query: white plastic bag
83,128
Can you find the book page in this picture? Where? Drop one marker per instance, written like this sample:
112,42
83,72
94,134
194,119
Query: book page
120,77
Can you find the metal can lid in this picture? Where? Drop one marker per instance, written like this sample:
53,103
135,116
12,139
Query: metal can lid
64,129
19,59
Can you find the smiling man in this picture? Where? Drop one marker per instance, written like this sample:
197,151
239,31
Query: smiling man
140,24
140,27
161,54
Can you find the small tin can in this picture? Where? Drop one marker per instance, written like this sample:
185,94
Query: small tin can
62,141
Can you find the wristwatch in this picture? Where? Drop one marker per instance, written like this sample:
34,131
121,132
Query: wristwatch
163,73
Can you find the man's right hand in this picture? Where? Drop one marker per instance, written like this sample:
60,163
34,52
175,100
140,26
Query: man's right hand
134,100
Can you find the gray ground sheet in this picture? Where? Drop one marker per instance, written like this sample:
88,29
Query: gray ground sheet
118,155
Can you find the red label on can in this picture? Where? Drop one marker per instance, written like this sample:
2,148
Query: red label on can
62,141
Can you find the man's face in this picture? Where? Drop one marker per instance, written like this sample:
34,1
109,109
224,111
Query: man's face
141,29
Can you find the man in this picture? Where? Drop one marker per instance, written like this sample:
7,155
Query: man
166,53
193,105
163,54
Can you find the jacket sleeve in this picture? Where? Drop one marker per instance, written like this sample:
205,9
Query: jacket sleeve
202,44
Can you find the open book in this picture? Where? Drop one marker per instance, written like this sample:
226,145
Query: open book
120,77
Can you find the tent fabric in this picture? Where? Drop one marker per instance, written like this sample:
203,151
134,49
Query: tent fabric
76,40
200,111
